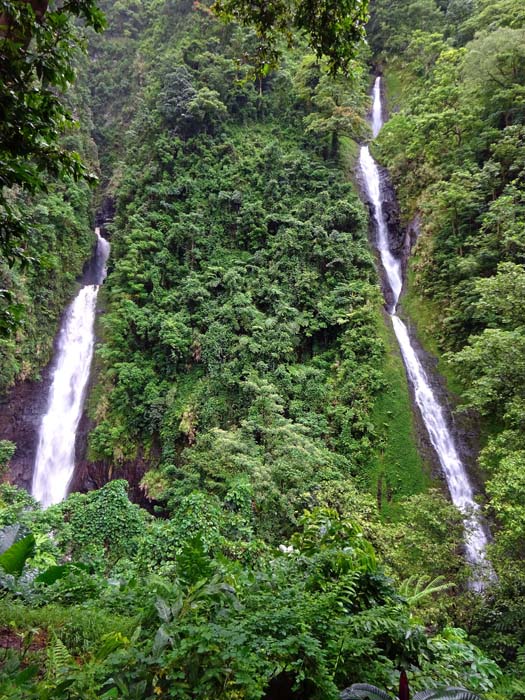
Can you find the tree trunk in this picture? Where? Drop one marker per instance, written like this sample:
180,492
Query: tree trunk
335,144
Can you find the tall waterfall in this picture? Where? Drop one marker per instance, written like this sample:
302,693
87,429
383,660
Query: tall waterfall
460,488
55,457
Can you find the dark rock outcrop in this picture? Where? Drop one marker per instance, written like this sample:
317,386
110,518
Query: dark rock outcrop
21,411
105,216
397,234
93,475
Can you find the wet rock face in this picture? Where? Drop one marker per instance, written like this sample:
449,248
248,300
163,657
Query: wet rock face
91,475
385,286
396,232
21,411
23,406
92,272
399,236
105,215
413,232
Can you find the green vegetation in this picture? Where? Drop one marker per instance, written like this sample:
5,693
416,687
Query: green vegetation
333,29
7,450
61,241
186,607
45,221
235,342
456,154
245,358
38,46
397,470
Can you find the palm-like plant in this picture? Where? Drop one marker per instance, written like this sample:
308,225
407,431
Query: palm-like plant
416,588
362,691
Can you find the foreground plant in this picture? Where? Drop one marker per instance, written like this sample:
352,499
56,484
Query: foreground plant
362,691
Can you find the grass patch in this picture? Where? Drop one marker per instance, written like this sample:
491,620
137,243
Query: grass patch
422,314
393,90
398,470
78,626
397,86
349,159
349,155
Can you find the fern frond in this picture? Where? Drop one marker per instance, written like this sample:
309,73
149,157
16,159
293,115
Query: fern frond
58,659
417,588
363,691
446,694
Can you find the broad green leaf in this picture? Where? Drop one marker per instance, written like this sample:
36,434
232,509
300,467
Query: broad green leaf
14,558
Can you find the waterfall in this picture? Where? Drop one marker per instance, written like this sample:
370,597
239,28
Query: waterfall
55,457
460,488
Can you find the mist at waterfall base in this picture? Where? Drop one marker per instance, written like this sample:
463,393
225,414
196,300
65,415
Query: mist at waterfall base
55,456
432,413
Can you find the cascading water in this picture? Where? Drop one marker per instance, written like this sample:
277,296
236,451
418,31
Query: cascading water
432,413
55,457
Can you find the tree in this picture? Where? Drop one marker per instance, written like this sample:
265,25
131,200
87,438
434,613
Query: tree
37,49
392,23
499,13
506,489
338,107
502,297
333,28
492,369
494,71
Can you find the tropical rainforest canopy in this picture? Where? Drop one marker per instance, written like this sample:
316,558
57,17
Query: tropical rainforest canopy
270,522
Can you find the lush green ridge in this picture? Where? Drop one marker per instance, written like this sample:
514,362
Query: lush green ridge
256,284
398,469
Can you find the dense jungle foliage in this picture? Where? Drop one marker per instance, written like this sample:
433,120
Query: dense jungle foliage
455,149
38,153
293,543
39,273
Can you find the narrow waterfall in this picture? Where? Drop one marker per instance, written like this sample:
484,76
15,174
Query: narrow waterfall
55,457
432,413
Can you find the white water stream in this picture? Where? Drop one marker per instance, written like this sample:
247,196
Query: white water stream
55,457
459,485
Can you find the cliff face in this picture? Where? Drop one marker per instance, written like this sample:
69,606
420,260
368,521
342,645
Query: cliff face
91,475
21,410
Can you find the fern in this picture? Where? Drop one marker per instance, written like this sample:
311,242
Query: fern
520,657
363,691
446,694
415,588
58,659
